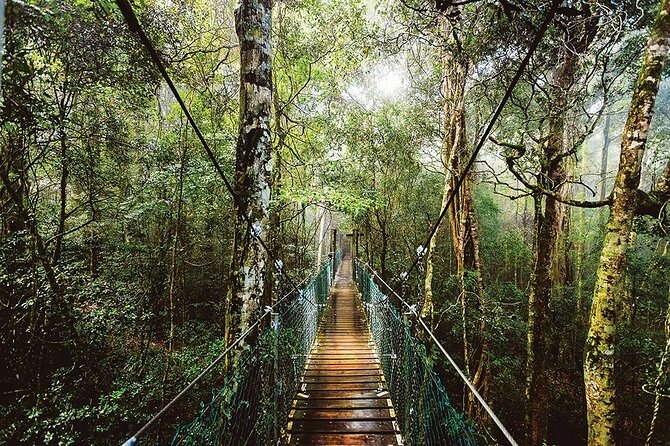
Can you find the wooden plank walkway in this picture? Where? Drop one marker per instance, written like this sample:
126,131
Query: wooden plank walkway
344,399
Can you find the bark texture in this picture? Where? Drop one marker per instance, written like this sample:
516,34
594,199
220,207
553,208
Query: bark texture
250,270
600,343
550,219
661,378
454,70
604,162
462,220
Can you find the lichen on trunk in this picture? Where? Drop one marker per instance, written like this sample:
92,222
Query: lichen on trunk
249,284
601,340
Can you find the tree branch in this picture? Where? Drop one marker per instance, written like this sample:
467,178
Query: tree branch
520,150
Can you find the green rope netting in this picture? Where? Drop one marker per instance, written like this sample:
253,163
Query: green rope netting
422,405
253,404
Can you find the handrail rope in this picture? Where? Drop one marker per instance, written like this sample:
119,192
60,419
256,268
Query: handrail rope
494,117
134,25
412,309
268,310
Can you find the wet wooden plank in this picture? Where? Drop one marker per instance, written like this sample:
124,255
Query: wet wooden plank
326,426
334,403
343,368
343,361
342,414
341,386
342,355
339,372
343,394
343,439
341,379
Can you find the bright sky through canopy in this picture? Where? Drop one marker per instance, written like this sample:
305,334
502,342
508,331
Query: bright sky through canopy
390,83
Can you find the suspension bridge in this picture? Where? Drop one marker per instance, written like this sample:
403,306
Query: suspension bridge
337,365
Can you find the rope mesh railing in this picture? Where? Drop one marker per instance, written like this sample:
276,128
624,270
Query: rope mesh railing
421,403
253,403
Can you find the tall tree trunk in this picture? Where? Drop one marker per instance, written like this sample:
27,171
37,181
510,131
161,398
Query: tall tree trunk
600,343
454,71
428,306
322,235
62,214
580,232
577,37
547,228
383,233
276,230
482,364
174,266
93,238
661,380
249,269
19,321
537,392
462,219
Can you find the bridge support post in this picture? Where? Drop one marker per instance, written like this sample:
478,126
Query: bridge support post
333,250
275,373
354,254
408,399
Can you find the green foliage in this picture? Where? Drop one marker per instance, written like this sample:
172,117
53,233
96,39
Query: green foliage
505,251
147,223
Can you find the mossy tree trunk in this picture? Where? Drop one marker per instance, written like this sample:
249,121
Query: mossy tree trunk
454,70
249,287
548,218
661,380
550,221
600,343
